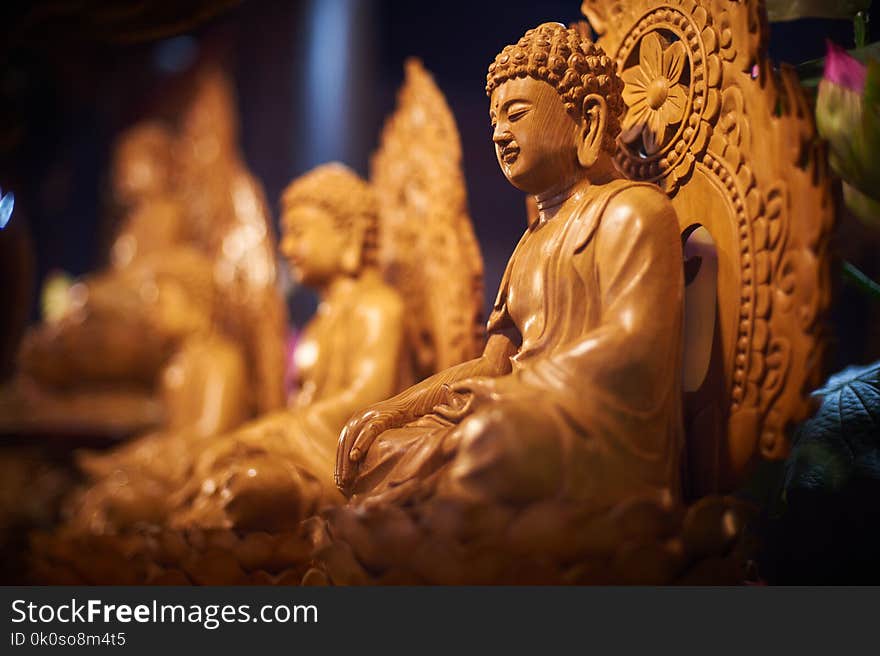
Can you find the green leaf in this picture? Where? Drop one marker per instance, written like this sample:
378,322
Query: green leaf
786,10
860,27
864,208
823,528
841,442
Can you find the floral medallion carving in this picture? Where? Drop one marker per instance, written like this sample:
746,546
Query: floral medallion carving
653,93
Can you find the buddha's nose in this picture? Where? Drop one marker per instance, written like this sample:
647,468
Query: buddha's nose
288,247
502,137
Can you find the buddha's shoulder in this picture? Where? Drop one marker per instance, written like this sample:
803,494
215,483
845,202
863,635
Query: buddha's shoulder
623,209
635,205
374,294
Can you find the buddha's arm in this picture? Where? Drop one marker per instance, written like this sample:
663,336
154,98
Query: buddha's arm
268,347
420,399
364,427
373,363
634,349
153,227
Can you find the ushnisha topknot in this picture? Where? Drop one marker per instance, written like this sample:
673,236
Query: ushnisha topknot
571,64
151,138
345,195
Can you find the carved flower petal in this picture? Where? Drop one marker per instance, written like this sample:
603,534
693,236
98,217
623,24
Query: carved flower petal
673,62
672,110
632,94
633,122
634,78
651,56
653,133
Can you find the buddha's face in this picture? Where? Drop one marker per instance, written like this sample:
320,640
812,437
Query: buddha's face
535,138
313,244
138,172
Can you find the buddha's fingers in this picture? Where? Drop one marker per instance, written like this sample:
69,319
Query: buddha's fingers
368,435
344,466
454,412
354,447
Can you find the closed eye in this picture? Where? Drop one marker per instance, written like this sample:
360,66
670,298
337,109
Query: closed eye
517,114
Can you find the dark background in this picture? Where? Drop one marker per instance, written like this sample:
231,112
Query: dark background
315,79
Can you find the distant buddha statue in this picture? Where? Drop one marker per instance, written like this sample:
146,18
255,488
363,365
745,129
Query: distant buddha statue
329,237
276,471
165,336
121,327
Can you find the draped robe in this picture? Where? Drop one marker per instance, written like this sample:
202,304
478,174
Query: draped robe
591,410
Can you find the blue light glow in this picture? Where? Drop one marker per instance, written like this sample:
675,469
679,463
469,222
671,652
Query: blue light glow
7,202
327,79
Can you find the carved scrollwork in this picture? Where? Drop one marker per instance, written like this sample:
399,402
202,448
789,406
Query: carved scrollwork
743,145
428,248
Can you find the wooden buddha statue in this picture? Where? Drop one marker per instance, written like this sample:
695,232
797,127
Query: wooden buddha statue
165,336
276,471
613,402
577,393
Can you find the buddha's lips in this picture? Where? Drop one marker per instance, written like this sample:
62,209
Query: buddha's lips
510,152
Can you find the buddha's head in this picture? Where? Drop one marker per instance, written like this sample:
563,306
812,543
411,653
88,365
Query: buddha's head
209,126
329,225
555,104
142,163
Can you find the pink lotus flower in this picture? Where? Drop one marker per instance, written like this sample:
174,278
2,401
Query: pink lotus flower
848,117
843,69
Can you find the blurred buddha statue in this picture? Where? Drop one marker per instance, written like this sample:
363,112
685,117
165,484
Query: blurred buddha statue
169,326
116,330
381,323
274,472
62,352
285,460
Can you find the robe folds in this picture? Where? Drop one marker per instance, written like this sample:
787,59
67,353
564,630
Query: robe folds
591,410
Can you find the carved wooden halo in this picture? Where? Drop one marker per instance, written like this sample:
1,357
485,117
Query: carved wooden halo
743,160
686,137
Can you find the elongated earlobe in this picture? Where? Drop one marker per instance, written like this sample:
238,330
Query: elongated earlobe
592,129
350,259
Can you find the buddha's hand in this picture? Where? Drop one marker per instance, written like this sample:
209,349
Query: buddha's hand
356,439
466,396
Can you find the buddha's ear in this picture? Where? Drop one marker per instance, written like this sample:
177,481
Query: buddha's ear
591,129
350,258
